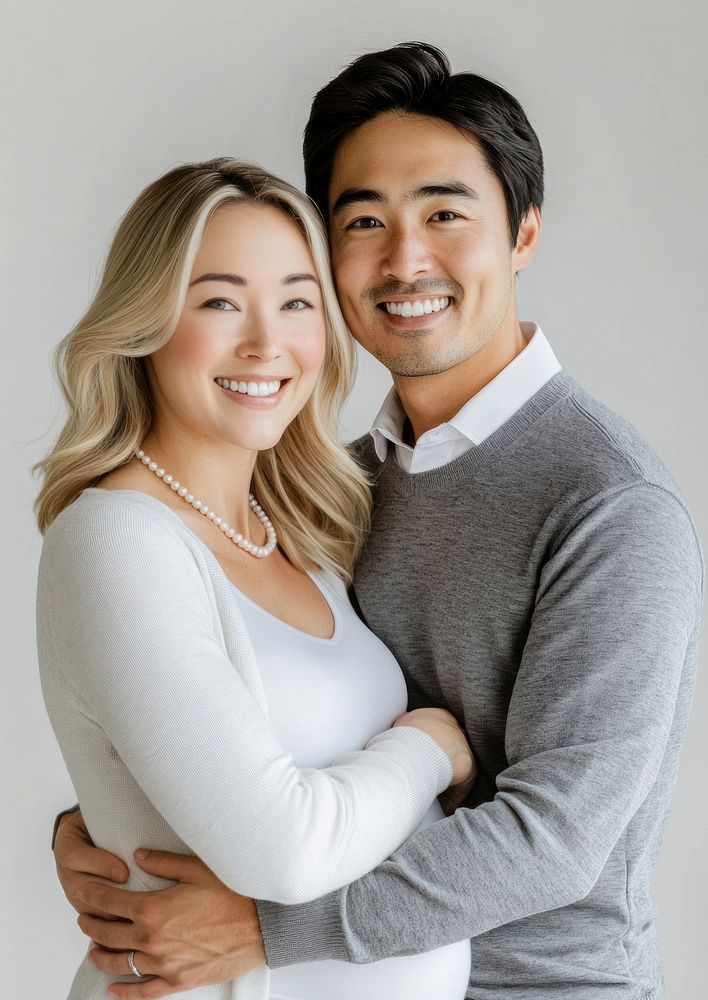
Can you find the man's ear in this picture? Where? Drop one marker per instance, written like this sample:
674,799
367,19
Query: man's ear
526,240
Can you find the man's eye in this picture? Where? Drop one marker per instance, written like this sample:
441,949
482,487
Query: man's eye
223,304
365,223
444,216
296,305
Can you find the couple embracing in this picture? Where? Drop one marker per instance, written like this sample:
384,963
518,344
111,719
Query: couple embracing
458,789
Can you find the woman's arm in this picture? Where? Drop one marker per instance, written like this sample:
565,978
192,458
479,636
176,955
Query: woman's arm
126,630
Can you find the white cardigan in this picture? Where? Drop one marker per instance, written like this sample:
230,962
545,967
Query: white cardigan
153,690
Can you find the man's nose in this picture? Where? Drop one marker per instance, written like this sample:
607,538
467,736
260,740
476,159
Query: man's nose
406,254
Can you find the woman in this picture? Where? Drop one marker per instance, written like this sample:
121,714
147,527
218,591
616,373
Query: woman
200,662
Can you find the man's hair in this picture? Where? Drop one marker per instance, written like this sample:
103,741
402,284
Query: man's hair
415,77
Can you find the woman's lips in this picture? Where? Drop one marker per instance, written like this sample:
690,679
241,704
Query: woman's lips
252,401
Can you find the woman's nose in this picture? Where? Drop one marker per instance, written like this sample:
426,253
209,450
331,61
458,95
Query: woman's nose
258,341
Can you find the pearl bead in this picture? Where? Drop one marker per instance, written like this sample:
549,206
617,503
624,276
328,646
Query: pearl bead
259,551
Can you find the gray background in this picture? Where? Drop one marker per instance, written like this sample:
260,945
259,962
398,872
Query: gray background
98,99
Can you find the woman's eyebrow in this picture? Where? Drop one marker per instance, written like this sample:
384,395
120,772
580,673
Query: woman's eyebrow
233,279
292,279
237,279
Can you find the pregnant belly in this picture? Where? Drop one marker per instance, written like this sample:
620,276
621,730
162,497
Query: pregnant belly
442,974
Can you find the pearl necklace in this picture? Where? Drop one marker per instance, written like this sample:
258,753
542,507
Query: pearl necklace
259,551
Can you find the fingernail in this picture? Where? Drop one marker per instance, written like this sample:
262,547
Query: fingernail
142,854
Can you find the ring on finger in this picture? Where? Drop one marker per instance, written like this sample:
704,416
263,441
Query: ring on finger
133,967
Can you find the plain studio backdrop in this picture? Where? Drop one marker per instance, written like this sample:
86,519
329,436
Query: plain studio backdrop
99,99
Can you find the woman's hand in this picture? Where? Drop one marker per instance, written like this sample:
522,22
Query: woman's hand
443,727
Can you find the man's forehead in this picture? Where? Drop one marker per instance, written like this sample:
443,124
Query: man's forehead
405,153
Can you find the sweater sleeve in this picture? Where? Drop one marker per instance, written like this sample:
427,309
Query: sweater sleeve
126,626
616,618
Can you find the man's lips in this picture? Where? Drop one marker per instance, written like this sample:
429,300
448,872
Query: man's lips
411,313
415,306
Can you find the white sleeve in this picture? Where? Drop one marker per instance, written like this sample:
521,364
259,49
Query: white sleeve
125,615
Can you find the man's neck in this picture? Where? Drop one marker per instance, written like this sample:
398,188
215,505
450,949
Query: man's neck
431,400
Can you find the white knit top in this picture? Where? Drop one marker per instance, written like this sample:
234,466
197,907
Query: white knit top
152,686
327,697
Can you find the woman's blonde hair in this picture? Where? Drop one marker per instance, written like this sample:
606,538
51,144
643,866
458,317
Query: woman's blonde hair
314,492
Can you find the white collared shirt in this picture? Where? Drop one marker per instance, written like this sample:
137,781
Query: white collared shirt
488,409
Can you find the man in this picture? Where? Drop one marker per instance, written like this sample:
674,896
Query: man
531,564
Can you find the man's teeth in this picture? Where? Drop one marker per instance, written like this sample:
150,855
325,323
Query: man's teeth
421,307
250,388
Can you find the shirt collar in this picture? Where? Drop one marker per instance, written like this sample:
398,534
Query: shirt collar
487,410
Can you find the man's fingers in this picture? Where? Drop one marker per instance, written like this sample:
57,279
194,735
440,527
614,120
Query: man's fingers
79,857
175,867
116,962
97,897
150,989
115,934
74,850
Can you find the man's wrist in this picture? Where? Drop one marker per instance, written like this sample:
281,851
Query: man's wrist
308,932
58,820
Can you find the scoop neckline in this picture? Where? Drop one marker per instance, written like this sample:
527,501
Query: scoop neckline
332,640
336,634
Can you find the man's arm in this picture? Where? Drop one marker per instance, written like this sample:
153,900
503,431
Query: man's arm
617,609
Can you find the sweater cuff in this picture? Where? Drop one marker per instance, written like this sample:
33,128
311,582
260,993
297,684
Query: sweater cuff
309,932
58,820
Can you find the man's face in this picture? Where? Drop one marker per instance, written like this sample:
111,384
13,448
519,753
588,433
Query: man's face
420,243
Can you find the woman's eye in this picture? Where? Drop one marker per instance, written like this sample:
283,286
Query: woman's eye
444,216
365,223
296,305
223,304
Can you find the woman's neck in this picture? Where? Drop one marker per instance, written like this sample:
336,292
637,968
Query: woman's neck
216,473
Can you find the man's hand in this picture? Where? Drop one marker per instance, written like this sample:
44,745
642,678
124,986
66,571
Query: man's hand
192,934
77,860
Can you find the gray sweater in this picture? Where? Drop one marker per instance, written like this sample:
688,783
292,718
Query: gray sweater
546,587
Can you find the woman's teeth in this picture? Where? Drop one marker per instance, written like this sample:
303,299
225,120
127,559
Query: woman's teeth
421,307
250,388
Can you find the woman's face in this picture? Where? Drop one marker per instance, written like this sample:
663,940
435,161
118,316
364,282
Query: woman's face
250,341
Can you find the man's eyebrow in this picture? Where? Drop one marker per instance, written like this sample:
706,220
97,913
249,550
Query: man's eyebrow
443,188
236,279
432,190
354,194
